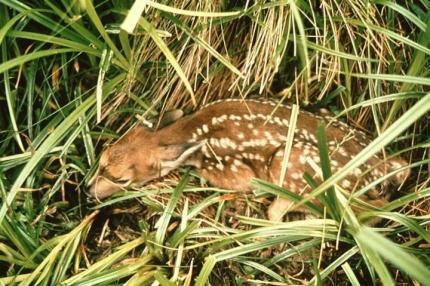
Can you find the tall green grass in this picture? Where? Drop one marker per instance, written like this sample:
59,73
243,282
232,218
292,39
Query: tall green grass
75,73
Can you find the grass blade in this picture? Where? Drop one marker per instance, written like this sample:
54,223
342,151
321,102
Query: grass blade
206,270
163,222
394,254
49,143
205,45
350,273
29,57
168,54
98,24
330,197
207,14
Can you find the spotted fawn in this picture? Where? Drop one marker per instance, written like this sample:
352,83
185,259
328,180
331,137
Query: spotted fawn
229,142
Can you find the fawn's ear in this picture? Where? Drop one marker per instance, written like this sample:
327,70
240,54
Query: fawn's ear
178,155
169,117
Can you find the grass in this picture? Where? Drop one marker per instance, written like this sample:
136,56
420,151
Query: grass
74,74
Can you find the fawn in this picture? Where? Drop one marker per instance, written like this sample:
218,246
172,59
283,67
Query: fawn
231,141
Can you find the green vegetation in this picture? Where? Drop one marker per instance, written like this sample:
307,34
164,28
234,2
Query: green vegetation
74,73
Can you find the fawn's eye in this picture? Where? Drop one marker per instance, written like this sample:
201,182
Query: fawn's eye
123,181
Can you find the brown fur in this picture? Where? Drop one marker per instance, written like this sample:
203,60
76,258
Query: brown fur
230,143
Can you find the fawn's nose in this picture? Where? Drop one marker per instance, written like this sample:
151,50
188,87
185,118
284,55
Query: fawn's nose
101,188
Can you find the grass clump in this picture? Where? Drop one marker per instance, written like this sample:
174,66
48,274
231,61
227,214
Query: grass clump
75,73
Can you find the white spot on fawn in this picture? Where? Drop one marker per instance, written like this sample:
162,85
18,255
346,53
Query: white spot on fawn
254,143
313,138
346,184
259,115
295,176
234,117
227,143
233,168
305,133
205,128
396,165
214,142
298,144
302,159
357,172
258,157
343,152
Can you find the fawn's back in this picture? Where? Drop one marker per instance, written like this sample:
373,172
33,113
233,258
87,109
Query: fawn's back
232,141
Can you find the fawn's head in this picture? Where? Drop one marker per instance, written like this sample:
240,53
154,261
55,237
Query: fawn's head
138,157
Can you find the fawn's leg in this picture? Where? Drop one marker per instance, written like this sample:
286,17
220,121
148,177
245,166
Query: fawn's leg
293,181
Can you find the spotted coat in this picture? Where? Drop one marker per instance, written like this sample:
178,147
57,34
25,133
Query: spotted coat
232,141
